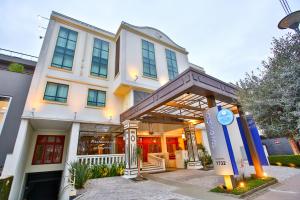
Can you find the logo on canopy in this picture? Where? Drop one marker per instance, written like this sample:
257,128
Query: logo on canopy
225,117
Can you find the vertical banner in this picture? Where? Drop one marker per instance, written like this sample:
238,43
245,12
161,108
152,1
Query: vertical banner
133,147
218,144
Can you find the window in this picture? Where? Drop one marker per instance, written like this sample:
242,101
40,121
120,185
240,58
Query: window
172,64
56,92
138,96
4,105
149,67
117,59
65,49
96,98
48,149
100,58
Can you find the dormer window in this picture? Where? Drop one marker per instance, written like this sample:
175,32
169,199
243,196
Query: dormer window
149,66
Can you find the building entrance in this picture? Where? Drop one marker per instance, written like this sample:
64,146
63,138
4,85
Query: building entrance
43,185
149,145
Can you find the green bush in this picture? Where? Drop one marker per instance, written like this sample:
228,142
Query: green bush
16,67
96,171
120,169
5,185
286,160
113,170
81,172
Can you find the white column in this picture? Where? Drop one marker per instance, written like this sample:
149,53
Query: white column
15,162
66,189
130,132
194,161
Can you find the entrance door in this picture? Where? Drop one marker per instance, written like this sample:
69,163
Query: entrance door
43,185
149,145
172,146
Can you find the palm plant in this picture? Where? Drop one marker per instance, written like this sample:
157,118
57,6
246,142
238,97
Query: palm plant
81,172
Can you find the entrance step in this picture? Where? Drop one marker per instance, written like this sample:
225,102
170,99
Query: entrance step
150,168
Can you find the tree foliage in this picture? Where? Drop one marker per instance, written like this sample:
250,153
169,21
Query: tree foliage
273,94
16,67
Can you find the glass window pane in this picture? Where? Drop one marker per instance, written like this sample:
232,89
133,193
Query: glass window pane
92,96
103,70
95,68
71,45
68,61
145,45
151,47
96,52
72,35
48,154
104,54
105,46
51,89
38,155
97,43
51,139
61,42
57,59
63,32
57,153
62,91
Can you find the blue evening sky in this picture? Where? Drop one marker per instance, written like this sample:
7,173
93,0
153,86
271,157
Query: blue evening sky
226,37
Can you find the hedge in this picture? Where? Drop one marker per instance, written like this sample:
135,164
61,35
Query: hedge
5,185
285,160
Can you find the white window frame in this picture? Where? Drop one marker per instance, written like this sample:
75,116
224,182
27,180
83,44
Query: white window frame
5,114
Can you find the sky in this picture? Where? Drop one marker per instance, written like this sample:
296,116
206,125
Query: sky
226,37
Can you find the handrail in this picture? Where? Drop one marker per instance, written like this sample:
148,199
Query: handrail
157,159
18,54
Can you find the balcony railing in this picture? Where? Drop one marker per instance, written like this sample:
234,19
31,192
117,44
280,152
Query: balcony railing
107,159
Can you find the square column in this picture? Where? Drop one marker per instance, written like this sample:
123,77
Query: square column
131,160
194,160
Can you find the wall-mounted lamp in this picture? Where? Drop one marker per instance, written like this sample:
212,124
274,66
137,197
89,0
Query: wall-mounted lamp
75,116
136,77
110,118
32,112
183,136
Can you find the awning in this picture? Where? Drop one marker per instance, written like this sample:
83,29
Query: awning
182,99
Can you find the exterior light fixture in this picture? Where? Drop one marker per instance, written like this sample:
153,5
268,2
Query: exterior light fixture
183,136
242,184
265,174
136,77
75,115
32,112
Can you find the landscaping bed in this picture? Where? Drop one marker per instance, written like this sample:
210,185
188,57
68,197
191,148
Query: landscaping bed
285,160
250,186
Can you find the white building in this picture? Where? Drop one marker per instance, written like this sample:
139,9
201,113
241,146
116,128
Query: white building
84,79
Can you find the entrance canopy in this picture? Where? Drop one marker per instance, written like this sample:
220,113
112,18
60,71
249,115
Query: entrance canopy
183,99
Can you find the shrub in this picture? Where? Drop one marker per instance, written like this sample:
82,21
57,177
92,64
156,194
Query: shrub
286,160
16,67
113,170
120,169
5,185
96,171
205,158
81,172
104,170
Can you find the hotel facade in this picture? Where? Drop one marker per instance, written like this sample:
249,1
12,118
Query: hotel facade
89,98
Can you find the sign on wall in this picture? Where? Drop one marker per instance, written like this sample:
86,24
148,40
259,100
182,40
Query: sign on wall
220,146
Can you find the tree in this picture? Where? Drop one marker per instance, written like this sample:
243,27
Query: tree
273,95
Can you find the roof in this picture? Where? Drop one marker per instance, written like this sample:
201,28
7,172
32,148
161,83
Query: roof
151,32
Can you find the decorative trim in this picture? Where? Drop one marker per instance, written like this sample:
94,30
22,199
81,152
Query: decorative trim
76,81
61,69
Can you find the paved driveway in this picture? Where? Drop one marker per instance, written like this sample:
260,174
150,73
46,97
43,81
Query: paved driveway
188,185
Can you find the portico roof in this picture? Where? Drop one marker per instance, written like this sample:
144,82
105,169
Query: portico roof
182,99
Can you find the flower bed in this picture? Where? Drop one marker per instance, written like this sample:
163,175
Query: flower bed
248,185
83,172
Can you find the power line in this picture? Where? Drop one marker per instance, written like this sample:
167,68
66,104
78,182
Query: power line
285,6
